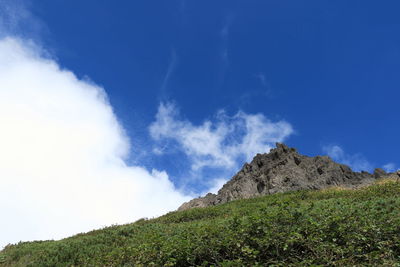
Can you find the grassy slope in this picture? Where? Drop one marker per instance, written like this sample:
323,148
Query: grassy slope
330,227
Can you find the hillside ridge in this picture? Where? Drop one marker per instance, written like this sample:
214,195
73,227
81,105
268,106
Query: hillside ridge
284,169
331,227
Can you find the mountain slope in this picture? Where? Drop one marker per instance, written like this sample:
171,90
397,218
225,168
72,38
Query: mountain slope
284,169
332,227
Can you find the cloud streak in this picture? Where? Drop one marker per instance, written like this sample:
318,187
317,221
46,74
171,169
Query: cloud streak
390,167
224,48
356,161
63,151
169,72
17,20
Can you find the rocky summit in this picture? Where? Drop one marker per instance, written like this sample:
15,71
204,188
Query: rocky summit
284,169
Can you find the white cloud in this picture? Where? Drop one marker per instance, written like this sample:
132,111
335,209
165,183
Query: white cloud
357,162
221,143
390,167
215,185
62,152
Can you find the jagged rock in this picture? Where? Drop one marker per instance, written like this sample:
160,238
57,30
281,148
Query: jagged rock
378,172
281,170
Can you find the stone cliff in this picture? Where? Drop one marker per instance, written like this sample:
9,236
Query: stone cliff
284,169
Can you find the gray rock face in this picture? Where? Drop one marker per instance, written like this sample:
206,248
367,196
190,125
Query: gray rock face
281,170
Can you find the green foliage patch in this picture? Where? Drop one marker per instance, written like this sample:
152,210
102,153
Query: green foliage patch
317,228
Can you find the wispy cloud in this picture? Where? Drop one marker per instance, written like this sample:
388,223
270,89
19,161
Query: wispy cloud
356,161
62,156
224,47
17,20
264,90
221,142
170,69
390,167
263,79
265,85
226,27
215,185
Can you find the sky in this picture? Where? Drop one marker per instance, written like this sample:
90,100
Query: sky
111,111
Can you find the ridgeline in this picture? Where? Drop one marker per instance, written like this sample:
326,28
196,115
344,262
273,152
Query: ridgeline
283,169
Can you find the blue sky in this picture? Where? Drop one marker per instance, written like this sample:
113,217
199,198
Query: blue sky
198,87
328,68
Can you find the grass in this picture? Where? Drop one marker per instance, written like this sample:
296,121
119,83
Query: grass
334,227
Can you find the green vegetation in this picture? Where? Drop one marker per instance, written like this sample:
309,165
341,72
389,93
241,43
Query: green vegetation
320,228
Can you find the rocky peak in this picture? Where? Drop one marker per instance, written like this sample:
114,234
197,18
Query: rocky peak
284,169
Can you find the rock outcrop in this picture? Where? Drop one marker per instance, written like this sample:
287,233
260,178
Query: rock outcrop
281,170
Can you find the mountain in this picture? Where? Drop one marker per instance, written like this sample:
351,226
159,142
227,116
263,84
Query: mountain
284,169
